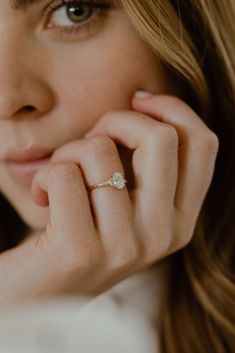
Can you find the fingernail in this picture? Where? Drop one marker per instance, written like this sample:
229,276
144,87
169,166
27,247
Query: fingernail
143,94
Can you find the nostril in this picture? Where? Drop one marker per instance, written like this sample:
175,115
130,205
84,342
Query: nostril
28,108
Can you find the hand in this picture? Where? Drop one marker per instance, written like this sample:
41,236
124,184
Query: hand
94,240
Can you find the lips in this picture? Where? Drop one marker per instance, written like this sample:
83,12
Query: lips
32,153
22,164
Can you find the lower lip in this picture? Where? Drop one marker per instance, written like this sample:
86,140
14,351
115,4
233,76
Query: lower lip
24,172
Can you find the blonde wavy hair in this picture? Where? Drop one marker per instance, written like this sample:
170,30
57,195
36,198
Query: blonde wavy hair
195,40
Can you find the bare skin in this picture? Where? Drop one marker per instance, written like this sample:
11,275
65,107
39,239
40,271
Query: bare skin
79,247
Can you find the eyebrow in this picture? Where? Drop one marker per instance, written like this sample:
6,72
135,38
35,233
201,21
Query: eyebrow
22,5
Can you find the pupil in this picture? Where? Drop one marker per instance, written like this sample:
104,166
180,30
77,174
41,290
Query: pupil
75,11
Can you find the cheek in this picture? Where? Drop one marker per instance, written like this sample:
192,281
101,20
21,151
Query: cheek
103,75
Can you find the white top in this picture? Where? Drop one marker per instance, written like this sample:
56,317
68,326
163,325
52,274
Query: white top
123,319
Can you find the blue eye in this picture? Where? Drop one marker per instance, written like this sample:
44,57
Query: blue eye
68,16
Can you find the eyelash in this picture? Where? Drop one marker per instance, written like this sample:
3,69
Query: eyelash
99,9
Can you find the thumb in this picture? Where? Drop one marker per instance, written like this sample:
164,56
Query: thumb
39,187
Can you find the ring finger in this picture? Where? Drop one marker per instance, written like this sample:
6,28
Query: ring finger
98,159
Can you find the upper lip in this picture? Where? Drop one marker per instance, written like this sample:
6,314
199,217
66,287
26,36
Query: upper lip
32,153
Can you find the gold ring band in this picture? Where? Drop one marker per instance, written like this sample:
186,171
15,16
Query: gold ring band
117,181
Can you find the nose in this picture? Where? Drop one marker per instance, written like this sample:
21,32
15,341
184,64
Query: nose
24,90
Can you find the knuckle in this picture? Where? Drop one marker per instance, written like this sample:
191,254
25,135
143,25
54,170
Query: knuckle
124,259
180,242
64,171
166,135
188,227
80,259
101,146
158,246
183,233
89,259
164,243
185,240
111,115
212,143
208,142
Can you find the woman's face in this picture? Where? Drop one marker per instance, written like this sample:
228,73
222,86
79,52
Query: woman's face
69,77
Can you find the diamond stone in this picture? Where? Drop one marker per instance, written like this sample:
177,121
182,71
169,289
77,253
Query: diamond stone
118,180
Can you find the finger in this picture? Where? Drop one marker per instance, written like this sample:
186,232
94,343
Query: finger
198,147
155,161
98,159
70,213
